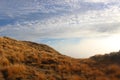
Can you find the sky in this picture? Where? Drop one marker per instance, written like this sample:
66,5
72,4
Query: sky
77,28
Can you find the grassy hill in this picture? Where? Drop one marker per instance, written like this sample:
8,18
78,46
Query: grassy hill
25,60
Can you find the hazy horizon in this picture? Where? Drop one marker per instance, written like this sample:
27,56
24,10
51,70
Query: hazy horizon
77,28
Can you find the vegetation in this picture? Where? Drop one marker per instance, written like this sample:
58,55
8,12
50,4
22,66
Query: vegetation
24,60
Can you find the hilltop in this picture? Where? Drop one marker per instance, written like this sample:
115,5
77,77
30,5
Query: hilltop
25,60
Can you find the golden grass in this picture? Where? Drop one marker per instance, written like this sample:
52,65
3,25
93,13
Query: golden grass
14,71
22,60
4,61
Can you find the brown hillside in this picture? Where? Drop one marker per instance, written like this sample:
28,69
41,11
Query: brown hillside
24,60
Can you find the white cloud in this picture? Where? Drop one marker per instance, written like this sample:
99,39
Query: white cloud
90,24
89,46
104,1
21,7
90,20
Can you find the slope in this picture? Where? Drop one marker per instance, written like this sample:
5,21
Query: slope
25,60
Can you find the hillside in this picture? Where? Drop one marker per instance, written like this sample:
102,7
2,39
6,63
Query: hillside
25,60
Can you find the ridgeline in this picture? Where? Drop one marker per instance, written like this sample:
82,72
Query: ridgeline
25,60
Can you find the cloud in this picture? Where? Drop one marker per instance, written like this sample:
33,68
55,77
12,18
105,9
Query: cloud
90,24
83,22
84,48
15,9
103,1
51,21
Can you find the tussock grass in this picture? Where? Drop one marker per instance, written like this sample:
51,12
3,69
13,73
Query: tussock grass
24,60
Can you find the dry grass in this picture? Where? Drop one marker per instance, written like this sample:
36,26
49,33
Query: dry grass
23,60
4,61
14,71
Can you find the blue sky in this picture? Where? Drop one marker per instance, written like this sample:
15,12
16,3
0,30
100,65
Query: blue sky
73,27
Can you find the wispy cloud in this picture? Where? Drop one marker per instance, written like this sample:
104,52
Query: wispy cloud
15,8
52,20
102,1
91,23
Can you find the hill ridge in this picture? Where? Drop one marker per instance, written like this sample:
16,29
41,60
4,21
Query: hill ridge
25,60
